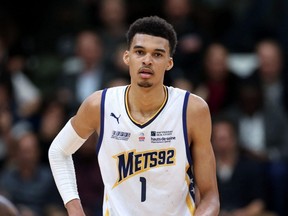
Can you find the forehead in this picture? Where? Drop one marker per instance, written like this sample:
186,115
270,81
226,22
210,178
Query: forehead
150,42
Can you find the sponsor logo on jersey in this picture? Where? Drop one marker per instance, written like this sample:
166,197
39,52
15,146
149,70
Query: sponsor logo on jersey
161,133
120,135
162,136
132,163
114,116
141,137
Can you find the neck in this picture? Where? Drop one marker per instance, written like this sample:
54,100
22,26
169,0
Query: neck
143,103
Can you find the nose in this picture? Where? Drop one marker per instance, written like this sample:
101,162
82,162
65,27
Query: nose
147,59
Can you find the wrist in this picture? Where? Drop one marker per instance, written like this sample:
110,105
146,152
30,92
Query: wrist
74,208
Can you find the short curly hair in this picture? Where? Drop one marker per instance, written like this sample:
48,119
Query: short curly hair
156,26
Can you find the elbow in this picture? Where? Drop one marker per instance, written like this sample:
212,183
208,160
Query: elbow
51,152
55,153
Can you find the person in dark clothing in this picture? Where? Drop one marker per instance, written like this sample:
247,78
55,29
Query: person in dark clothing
240,178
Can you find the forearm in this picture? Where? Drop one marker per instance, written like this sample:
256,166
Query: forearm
74,208
61,163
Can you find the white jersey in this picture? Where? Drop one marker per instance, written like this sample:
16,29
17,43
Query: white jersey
146,168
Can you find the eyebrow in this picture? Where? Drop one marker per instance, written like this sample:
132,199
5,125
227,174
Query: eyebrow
141,47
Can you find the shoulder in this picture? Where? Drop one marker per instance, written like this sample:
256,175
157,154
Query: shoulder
93,101
87,117
91,104
197,104
198,117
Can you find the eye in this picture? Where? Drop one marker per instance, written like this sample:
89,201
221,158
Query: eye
139,52
158,54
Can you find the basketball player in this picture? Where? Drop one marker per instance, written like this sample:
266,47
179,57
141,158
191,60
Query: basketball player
149,135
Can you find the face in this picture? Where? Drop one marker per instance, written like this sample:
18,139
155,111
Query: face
216,62
270,61
176,8
148,58
28,152
89,48
223,138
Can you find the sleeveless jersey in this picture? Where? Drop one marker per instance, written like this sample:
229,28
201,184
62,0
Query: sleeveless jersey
146,168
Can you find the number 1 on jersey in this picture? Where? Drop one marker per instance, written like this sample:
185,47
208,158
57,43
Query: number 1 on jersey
143,189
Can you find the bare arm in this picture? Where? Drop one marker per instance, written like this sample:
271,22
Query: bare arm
199,127
85,122
69,140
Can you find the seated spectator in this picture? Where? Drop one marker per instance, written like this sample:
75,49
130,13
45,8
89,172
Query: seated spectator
240,178
53,116
191,40
263,133
218,85
113,25
270,72
84,72
27,184
262,127
26,94
118,68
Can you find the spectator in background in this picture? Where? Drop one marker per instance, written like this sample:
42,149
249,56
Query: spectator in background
83,73
52,118
26,183
270,72
113,26
262,127
263,133
240,179
191,40
218,85
118,68
26,94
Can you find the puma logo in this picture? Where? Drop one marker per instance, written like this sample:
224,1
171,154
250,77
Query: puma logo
114,116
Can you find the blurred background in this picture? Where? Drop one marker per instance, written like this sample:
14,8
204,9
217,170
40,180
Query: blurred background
233,53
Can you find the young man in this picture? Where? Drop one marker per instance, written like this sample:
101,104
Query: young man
149,134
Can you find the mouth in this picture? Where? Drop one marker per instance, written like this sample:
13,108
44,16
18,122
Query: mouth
145,72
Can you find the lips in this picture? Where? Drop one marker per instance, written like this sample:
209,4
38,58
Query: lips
145,72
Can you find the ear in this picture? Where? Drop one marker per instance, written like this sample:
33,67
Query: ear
126,57
170,64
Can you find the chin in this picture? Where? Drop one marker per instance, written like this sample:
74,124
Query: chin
145,84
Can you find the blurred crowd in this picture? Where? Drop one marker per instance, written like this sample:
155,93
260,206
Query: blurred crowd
232,53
